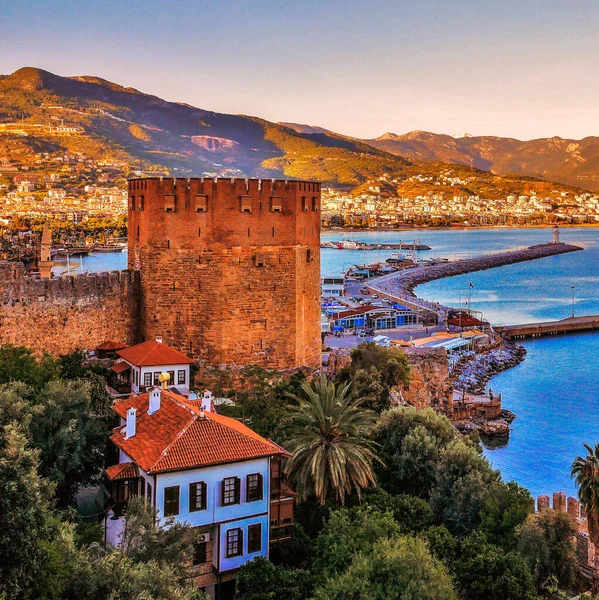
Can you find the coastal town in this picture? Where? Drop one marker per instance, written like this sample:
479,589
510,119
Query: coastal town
188,444
273,326
381,204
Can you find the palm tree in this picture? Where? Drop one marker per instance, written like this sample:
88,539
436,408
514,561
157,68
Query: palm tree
328,435
586,473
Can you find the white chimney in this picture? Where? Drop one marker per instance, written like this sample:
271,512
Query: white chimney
155,395
207,401
130,427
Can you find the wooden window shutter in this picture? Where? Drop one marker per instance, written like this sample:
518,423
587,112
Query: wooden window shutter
237,490
261,485
222,493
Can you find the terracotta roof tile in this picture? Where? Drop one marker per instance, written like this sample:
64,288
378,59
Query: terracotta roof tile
151,353
126,470
178,437
120,367
111,346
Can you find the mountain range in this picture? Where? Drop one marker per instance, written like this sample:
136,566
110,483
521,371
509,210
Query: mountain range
44,112
574,162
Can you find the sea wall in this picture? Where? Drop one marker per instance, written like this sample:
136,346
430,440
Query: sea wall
401,284
62,314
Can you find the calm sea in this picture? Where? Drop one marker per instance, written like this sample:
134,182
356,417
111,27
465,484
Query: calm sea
555,391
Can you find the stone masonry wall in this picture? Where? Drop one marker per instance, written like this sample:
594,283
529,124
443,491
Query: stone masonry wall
230,269
63,314
429,386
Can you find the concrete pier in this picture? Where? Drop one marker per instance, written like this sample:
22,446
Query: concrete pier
569,325
401,284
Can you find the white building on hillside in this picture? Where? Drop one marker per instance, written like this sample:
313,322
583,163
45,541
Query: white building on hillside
203,469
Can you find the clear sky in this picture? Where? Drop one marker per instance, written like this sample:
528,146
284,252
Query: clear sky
520,68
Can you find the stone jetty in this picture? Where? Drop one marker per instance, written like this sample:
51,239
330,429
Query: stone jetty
401,284
478,371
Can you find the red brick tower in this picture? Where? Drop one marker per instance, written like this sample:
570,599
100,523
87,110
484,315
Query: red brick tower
229,268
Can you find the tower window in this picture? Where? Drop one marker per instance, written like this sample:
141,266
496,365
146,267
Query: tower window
260,260
245,204
169,203
310,255
201,203
276,204
304,204
140,203
314,203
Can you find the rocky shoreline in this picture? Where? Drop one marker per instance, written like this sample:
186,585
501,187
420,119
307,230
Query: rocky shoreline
477,372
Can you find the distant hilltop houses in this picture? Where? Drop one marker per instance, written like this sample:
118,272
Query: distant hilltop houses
191,464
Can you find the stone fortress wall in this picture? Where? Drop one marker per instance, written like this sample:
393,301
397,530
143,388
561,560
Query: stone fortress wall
226,270
63,314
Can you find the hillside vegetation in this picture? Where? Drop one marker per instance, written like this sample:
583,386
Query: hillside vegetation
42,112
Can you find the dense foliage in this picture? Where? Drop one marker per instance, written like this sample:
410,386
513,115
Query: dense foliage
394,506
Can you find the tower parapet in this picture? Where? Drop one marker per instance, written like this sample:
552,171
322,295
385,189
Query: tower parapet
229,268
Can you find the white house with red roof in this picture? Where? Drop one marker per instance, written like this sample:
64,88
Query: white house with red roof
142,364
204,469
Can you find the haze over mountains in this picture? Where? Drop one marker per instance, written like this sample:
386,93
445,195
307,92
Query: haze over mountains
43,112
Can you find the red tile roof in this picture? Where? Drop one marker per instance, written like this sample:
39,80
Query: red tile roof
152,353
111,346
126,470
177,437
120,367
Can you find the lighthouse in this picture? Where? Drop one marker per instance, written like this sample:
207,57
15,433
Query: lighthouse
556,235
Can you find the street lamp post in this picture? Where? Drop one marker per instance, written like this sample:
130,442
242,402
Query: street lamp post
572,300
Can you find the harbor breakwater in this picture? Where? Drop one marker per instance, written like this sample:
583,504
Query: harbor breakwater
400,285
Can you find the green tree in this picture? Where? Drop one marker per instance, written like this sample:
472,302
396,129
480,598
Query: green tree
259,579
328,434
505,510
145,538
400,568
153,562
464,483
26,523
486,572
348,532
546,542
18,363
375,371
413,514
585,470
410,442
67,422
441,543
70,435
261,395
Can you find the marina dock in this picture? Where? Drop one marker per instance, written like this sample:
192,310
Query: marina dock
531,330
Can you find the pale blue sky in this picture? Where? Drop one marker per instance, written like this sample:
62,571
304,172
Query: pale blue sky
521,68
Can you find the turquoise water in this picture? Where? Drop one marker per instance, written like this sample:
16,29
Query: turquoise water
555,391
